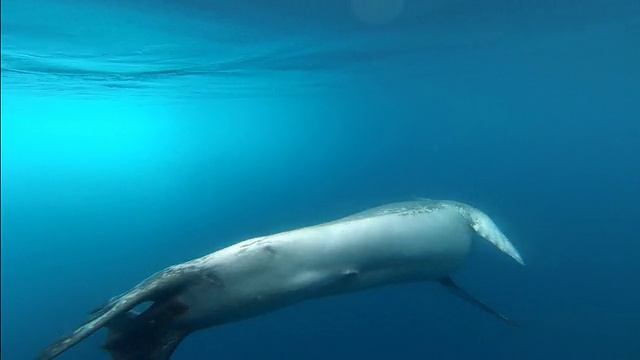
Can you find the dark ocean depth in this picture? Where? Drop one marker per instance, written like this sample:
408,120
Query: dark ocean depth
141,134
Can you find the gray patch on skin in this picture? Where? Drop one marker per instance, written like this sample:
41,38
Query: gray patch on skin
213,278
194,272
269,249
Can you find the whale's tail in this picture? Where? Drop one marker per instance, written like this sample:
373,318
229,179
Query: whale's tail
148,335
485,227
133,336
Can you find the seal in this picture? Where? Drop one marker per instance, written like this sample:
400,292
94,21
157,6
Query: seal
425,240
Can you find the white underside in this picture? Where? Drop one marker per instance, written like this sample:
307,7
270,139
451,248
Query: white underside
267,273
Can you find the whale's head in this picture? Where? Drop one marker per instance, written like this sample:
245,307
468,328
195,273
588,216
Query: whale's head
486,228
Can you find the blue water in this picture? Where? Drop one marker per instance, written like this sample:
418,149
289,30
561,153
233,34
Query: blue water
140,134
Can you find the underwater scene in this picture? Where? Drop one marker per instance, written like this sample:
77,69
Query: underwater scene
490,151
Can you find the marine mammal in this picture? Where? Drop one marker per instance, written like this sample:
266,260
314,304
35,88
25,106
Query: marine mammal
391,244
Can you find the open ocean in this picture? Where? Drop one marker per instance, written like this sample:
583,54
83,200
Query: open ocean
141,134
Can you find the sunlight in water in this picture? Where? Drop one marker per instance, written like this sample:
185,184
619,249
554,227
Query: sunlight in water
80,133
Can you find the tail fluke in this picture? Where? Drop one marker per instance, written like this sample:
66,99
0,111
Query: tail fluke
128,330
117,307
146,336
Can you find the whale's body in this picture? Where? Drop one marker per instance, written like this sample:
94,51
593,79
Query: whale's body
396,243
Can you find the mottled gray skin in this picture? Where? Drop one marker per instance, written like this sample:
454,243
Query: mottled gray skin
396,243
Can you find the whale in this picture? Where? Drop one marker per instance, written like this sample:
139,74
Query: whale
397,243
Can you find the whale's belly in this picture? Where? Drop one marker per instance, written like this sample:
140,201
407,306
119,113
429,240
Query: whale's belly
267,273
